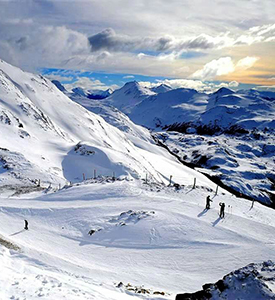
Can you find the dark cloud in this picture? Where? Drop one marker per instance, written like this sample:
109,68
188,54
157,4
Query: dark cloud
110,41
200,42
22,43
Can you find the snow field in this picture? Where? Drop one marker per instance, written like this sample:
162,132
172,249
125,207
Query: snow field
168,243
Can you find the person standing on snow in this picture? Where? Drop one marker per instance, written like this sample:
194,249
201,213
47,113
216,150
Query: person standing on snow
208,200
222,205
26,225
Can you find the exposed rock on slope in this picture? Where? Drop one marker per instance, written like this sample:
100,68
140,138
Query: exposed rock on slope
253,282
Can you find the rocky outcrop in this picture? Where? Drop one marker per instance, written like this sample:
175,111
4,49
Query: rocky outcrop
255,281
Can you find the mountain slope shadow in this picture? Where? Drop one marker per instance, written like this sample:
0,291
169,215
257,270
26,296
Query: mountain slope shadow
83,160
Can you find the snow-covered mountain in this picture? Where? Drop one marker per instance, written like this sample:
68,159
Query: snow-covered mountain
127,97
99,94
243,109
162,88
78,91
229,134
172,106
162,106
103,238
244,163
45,136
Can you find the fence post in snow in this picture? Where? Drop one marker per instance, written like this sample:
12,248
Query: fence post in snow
38,184
83,177
114,177
252,204
217,190
94,173
146,179
194,186
59,186
170,181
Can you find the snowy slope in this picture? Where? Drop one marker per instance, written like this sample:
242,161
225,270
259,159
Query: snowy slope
149,236
57,140
115,117
244,163
226,108
229,133
175,106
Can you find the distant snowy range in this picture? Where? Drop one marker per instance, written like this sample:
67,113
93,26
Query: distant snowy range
228,135
113,186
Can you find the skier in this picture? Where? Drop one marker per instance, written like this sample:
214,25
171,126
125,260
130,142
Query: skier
26,225
208,200
222,205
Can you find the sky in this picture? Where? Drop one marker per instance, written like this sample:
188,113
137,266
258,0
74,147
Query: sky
101,44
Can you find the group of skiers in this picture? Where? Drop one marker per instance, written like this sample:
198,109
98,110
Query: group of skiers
208,200
222,206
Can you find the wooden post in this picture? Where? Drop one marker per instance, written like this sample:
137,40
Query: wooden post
59,186
252,204
83,177
71,183
146,179
194,186
38,184
170,181
94,173
114,177
217,190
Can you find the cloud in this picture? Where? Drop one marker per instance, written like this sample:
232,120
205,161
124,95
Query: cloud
89,35
270,88
198,85
109,40
223,66
128,77
216,67
50,46
233,84
89,84
257,34
59,77
246,62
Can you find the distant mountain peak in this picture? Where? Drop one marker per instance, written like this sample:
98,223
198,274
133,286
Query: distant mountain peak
79,91
162,88
223,91
59,85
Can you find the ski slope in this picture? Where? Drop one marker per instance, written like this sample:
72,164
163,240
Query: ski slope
146,235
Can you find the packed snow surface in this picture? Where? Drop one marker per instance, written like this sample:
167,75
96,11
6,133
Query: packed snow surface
147,235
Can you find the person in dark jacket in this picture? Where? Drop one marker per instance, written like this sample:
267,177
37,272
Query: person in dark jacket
222,205
26,225
208,200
